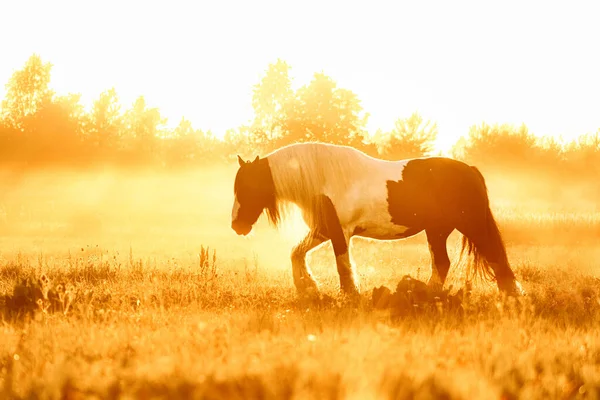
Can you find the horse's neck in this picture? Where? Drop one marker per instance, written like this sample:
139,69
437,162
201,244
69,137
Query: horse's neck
296,196
295,184
297,191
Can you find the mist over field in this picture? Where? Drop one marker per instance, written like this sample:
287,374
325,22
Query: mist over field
172,213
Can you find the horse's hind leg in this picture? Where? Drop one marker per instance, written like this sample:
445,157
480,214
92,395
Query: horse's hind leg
440,262
303,279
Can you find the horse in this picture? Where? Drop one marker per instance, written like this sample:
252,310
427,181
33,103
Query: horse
343,192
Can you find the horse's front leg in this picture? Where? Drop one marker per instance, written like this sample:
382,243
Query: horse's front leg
303,279
348,279
329,223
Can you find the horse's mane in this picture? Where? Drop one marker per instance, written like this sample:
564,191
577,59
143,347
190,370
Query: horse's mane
303,171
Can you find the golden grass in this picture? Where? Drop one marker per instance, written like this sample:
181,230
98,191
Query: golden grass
151,313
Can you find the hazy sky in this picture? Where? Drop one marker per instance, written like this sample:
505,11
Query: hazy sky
456,62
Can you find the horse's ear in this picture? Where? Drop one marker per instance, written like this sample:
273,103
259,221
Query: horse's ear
240,161
256,159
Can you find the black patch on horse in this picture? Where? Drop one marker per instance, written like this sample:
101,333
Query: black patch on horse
433,192
328,225
358,230
410,200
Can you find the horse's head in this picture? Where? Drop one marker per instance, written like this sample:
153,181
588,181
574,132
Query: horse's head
254,191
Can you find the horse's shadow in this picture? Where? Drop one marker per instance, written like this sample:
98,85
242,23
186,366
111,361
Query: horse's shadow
415,298
412,297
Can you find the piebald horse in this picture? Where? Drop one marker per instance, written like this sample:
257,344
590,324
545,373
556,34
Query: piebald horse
342,192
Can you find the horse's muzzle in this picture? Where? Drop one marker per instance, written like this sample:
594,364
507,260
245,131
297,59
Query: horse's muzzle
241,228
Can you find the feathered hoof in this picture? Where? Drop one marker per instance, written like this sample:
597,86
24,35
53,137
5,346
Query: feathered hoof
309,293
519,289
514,289
435,284
350,298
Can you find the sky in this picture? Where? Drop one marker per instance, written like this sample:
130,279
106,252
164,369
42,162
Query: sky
457,63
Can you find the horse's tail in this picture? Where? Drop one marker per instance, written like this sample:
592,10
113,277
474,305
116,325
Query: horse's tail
485,243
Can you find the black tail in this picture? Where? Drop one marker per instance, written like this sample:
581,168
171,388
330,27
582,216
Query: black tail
487,247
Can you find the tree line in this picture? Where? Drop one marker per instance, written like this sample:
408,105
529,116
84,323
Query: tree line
40,128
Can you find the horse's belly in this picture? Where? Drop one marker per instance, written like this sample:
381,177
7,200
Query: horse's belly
364,211
384,231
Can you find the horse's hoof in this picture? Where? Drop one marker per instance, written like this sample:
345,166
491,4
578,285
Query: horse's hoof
309,296
515,290
435,286
350,297
518,290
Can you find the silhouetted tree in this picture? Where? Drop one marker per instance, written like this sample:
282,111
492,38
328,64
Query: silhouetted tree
55,131
411,137
550,153
143,128
26,90
323,112
11,139
187,146
270,100
583,155
238,142
499,144
38,126
106,125
181,146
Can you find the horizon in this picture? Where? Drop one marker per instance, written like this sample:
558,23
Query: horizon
533,73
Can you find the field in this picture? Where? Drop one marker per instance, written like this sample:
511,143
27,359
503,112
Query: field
163,300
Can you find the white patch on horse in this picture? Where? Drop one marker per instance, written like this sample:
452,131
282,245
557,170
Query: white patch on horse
294,164
365,204
355,182
236,209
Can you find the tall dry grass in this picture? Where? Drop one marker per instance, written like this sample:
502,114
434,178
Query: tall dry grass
153,314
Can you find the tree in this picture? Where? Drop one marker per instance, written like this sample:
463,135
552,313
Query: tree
106,123
38,126
550,152
238,142
583,155
26,90
144,128
500,145
411,137
270,99
54,131
186,146
11,142
323,112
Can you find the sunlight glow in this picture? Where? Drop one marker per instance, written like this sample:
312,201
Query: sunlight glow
459,63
